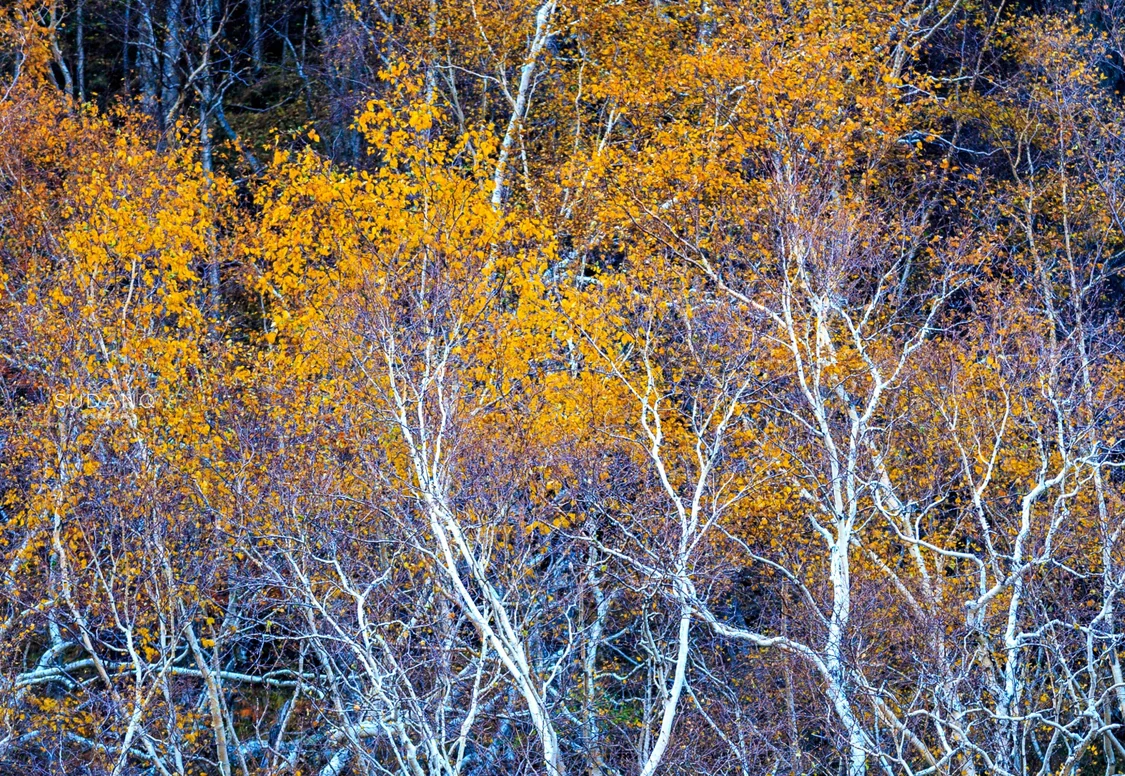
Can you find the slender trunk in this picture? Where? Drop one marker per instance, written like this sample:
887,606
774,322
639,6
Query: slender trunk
206,88
206,160
504,639
206,106
835,669
126,75
1108,533
255,10
214,704
592,745
170,76
679,677
338,116
147,61
431,54
527,73
80,49
205,132
55,19
322,22
706,25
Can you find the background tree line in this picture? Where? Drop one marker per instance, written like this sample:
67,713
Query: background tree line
606,388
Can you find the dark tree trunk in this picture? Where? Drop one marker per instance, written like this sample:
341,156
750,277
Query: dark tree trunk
147,62
170,80
80,49
256,33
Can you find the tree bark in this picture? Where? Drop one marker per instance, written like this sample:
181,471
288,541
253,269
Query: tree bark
80,50
255,11
173,48
147,62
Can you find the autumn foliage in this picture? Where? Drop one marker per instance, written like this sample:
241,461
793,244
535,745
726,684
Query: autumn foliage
653,387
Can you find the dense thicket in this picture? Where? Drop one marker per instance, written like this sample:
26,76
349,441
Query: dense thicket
460,387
